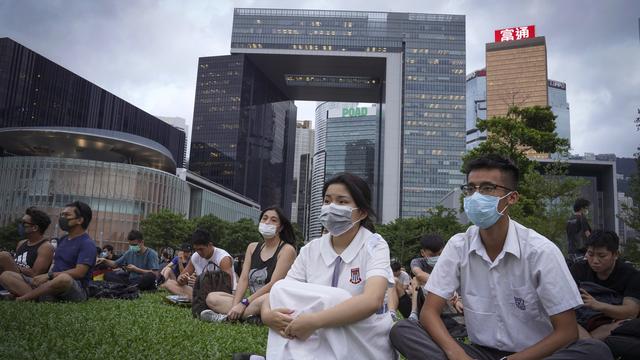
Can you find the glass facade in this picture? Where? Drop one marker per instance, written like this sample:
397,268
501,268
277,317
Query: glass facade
433,90
301,172
560,107
243,131
203,202
36,92
120,195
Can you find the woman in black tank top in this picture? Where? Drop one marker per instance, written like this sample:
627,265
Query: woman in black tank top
265,263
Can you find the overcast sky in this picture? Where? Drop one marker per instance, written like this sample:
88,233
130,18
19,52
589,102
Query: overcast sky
147,51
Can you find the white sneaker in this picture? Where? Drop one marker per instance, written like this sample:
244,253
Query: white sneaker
209,315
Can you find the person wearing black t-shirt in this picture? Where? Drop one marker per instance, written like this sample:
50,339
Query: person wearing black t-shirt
603,267
578,230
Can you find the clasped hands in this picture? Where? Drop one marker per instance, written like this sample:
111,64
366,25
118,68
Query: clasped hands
287,326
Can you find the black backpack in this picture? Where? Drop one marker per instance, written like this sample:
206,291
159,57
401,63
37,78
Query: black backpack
589,318
211,280
112,290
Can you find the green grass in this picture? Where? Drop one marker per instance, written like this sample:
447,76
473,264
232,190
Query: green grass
145,328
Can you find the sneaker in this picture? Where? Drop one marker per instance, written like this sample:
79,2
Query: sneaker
394,316
6,295
209,315
413,317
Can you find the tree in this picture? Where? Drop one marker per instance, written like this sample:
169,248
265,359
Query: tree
403,235
545,201
166,228
9,236
240,235
631,213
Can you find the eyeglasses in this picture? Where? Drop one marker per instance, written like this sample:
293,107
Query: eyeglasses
484,189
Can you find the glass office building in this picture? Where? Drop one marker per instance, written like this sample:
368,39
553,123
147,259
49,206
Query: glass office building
243,131
420,87
36,92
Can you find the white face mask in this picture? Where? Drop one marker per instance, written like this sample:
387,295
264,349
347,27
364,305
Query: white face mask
337,218
267,230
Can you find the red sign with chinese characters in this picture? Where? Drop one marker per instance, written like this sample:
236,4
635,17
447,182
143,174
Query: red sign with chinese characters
515,33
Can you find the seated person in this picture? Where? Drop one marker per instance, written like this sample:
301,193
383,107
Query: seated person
204,253
431,246
518,294
33,254
332,301
270,261
177,264
604,267
400,295
73,260
139,264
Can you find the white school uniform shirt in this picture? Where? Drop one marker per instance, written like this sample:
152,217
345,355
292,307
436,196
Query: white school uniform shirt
365,257
507,302
200,263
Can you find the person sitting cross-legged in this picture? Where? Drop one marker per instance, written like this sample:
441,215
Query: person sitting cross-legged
177,264
266,262
517,291
139,264
74,257
604,267
204,253
34,254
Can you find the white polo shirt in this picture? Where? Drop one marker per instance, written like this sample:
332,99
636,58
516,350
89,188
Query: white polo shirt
366,256
507,302
200,263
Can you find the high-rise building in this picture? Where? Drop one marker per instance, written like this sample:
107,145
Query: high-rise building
351,143
516,74
302,173
180,124
411,64
477,107
63,139
244,131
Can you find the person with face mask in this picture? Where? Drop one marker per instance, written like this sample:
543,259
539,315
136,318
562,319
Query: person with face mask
332,303
518,294
34,252
73,260
139,265
265,263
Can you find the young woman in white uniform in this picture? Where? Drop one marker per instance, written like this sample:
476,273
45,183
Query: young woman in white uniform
332,303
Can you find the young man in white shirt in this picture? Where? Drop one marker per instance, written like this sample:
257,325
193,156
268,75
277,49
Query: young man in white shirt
517,292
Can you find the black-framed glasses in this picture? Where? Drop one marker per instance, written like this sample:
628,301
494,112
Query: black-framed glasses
484,189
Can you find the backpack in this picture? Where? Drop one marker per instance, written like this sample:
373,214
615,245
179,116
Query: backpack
589,318
207,282
112,290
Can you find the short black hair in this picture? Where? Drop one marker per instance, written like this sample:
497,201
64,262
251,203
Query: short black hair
396,266
201,237
108,247
581,204
186,247
82,210
602,238
431,242
135,235
496,161
39,218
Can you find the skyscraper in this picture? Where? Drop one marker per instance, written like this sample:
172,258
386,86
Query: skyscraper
244,131
411,64
302,173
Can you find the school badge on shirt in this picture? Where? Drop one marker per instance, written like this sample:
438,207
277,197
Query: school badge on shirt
520,303
355,276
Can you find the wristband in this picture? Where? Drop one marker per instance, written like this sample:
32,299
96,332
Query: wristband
244,302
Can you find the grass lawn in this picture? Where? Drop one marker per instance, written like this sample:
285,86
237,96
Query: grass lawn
145,328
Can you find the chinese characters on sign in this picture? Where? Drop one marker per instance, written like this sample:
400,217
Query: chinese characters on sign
515,33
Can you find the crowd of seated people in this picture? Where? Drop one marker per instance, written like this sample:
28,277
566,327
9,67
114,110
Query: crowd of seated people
342,297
